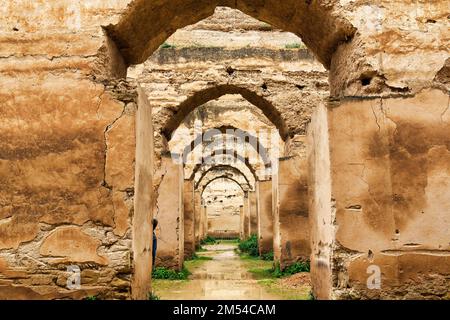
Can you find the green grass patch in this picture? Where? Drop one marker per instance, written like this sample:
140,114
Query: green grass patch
197,262
250,246
294,45
274,287
169,274
290,270
91,298
260,269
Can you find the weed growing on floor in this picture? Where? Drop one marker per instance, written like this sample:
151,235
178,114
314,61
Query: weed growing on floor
250,246
169,274
91,298
208,240
153,296
290,270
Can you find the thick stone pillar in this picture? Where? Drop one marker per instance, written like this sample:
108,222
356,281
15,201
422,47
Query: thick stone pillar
291,221
204,221
253,212
197,216
189,219
144,200
246,215
241,223
380,198
170,215
265,222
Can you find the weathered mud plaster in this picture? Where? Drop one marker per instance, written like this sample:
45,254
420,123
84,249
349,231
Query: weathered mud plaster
290,216
144,201
265,217
197,216
241,223
189,219
253,212
321,204
223,198
58,100
204,219
394,153
170,215
285,93
246,216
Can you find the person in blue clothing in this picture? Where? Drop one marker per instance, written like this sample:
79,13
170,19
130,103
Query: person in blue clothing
155,242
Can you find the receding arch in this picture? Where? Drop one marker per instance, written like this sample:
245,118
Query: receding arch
248,138
212,93
238,165
244,170
146,24
221,177
226,171
210,160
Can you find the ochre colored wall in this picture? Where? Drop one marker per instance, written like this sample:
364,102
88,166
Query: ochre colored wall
170,215
264,190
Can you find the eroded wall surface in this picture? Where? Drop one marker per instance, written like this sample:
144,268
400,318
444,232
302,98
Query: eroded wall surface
170,215
291,215
394,217
253,212
223,198
189,219
66,159
265,218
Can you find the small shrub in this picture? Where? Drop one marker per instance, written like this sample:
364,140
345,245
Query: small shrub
267,256
250,246
296,268
169,274
311,296
293,46
153,296
208,240
290,270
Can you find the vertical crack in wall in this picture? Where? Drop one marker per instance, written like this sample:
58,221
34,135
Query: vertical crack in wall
105,136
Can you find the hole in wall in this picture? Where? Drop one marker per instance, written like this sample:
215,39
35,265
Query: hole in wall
230,70
366,81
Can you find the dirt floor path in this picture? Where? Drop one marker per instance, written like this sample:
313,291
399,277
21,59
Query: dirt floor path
224,277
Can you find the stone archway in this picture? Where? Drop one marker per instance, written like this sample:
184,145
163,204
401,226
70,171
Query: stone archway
223,171
240,135
301,18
